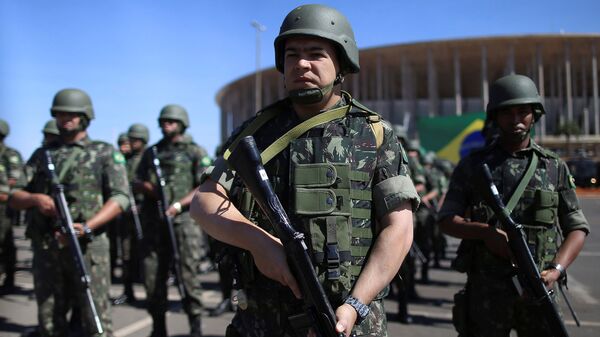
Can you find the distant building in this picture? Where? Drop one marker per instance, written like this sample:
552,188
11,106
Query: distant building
448,77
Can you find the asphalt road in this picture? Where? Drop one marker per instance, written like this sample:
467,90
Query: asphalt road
432,314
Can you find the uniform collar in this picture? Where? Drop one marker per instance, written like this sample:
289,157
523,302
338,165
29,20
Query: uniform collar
81,143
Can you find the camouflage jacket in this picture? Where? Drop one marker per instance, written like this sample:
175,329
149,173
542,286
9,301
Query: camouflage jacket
92,172
11,167
182,165
348,140
548,203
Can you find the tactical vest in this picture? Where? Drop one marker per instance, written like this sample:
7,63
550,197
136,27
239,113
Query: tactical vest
329,184
536,210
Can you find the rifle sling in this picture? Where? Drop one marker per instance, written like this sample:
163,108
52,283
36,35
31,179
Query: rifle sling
514,199
282,142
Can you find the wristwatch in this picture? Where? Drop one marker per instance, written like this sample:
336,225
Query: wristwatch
88,234
558,267
177,206
361,309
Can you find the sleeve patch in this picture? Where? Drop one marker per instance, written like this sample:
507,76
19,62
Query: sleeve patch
206,161
118,158
571,181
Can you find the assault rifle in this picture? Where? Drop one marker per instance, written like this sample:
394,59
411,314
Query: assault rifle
66,224
319,317
528,273
139,234
163,203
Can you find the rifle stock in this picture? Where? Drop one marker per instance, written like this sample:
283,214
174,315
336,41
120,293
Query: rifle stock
528,273
66,224
162,204
245,160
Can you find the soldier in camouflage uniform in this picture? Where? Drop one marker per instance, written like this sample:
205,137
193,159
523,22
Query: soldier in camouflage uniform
138,136
182,164
438,183
11,169
344,182
490,304
50,132
95,181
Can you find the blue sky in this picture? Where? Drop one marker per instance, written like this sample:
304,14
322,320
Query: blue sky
133,56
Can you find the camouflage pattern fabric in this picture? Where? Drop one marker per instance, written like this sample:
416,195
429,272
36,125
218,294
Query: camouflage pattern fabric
11,169
269,303
488,275
182,165
96,175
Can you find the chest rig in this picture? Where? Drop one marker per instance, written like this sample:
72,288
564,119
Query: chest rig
534,203
326,183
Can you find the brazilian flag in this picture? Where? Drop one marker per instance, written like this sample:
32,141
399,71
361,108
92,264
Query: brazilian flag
452,137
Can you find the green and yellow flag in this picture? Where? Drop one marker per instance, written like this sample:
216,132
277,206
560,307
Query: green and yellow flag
452,137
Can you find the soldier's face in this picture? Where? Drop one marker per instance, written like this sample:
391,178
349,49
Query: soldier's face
136,144
515,122
169,127
67,121
125,147
309,62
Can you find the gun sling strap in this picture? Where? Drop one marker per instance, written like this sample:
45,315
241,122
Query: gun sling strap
514,199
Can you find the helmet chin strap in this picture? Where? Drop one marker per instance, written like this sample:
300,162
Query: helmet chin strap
313,95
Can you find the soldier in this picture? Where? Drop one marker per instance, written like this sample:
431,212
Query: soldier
51,133
138,136
368,224
546,202
439,186
124,144
182,163
11,169
94,176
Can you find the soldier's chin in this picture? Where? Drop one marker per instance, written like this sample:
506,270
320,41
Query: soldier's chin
67,132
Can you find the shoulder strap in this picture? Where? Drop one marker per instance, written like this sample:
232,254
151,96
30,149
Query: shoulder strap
68,163
514,198
283,141
378,131
260,120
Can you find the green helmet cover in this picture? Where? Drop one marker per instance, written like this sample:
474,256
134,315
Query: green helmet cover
51,128
72,100
175,112
324,22
139,131
400,131
514,90
4,128
123,137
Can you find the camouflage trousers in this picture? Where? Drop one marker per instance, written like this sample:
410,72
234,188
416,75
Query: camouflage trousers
57,286
493,308
157,262
267,316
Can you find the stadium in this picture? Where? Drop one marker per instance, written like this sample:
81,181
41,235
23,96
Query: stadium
415,82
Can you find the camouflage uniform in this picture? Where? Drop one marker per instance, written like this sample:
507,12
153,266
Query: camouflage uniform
182,165
129,242
349,139
96,175
492,306
11,169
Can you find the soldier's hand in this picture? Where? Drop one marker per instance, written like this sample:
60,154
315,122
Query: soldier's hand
346,317
172,211
549,276
78,229
45,204
270,260
497,242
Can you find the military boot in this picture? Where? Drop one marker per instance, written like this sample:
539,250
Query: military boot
196,326
159,326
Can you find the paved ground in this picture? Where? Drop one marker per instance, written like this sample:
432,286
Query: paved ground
432,315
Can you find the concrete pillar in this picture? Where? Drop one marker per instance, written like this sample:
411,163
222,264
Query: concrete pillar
510,61
539,60
595,91
379,77
457,83
432,85
485,94
568,83
584,100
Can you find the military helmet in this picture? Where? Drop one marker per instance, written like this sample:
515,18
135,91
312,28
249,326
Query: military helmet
51,128
4,128
123,138
175,112
400,131
324,22
514,90
72,100
429,158
139,131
